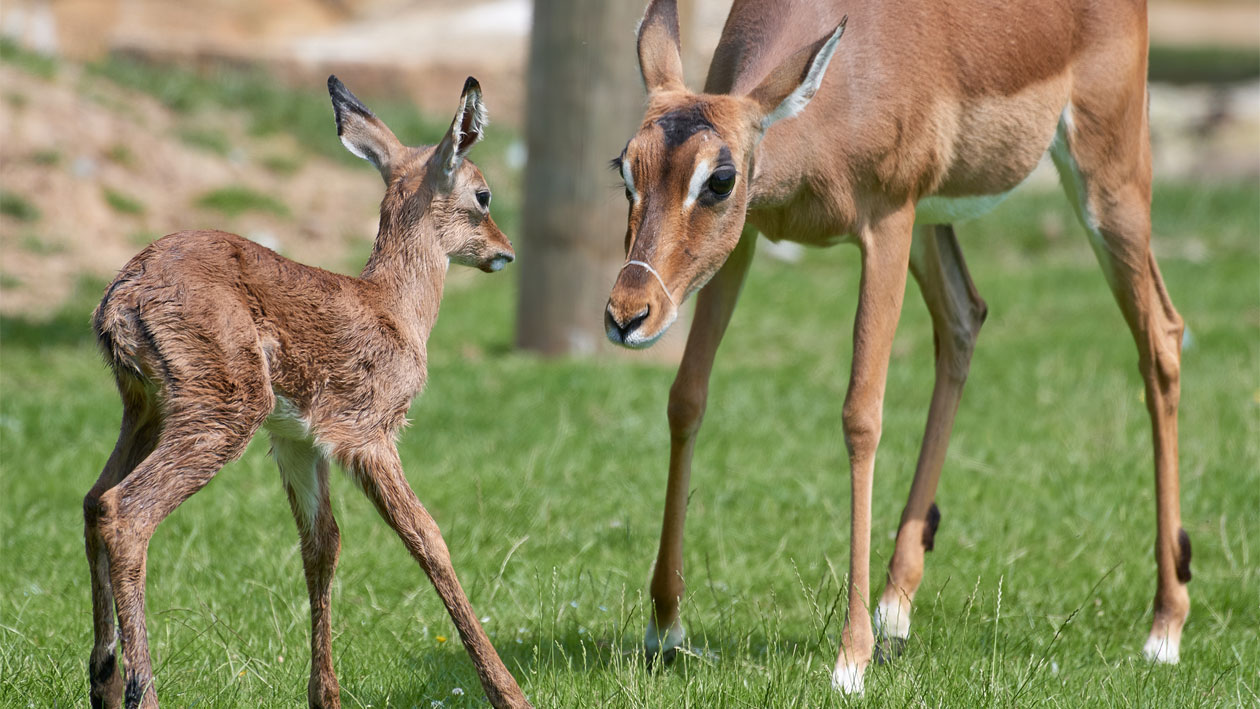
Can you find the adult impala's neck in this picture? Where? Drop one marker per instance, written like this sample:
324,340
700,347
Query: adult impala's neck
774,181
408,267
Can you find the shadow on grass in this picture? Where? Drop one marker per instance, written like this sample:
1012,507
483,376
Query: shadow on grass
537,656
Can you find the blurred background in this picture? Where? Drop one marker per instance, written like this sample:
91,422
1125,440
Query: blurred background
123,120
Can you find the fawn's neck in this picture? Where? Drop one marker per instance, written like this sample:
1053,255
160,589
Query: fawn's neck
409,269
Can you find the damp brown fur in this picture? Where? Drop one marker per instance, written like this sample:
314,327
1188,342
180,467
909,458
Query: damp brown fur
211,335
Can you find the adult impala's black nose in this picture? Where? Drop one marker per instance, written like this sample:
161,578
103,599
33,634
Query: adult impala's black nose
618,331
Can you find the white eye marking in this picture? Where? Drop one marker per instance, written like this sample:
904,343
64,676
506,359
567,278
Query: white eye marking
698,179
629,178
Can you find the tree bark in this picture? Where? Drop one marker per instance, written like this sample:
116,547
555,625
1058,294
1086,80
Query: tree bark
585,100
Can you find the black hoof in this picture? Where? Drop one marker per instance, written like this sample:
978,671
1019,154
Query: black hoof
656,659
888,649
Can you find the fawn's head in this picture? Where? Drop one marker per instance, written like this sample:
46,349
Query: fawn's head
688,173
429,182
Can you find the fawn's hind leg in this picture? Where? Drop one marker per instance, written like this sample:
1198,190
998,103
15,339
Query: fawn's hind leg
210,408
136,439
188,454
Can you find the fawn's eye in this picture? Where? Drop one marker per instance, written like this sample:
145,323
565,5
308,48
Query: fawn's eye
722,181
483,198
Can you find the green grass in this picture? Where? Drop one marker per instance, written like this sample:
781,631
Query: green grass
1206,64
42,244
42,65
238,199
120,154
47,158
282,164
547,478
121,203
15,205
213,141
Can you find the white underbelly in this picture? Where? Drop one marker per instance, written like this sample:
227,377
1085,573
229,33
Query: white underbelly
951,210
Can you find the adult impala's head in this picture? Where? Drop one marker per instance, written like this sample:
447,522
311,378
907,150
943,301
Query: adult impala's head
429,182
688,174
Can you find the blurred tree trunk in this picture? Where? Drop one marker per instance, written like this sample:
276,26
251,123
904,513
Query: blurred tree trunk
585,100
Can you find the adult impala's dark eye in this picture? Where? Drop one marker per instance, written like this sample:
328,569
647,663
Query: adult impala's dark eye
722,181
483,198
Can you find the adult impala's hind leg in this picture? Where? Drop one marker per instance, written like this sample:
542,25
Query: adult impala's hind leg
687,400
957,310
136,439
1102,150
305,473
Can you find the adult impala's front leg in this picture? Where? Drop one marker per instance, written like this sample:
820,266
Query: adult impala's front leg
380,474
957,310
687,400
885,245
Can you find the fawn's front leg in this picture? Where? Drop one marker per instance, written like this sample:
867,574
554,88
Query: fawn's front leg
380,473
305,473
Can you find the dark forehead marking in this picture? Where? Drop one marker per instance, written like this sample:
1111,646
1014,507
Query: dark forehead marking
724,156
682,123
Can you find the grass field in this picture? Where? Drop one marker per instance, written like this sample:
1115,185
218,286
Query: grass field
547,478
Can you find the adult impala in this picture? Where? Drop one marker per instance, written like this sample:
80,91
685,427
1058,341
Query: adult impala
211,337
926,113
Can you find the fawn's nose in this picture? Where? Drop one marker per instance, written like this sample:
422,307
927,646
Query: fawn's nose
500,260
618,331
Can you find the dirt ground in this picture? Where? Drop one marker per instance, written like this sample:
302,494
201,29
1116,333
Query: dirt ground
73,142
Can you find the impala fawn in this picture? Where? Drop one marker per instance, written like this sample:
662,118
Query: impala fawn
211,337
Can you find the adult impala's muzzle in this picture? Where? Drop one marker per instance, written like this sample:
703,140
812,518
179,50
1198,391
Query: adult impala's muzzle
635,316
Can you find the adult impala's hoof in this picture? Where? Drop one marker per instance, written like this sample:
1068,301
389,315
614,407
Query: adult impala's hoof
892,628
662,646
848,679
889,648
1163,649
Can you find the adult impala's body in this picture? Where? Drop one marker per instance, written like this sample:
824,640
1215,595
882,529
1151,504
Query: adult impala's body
925,113
211,336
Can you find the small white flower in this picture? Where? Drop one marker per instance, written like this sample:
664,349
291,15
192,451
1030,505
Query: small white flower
573,604
458,691
485,619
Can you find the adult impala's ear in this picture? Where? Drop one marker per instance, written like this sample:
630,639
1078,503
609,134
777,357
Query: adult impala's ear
361,131
660,49
789,88
466,129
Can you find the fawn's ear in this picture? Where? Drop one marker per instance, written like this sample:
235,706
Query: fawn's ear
789,88
660,49
466,129
361,131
